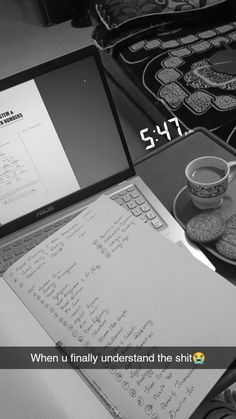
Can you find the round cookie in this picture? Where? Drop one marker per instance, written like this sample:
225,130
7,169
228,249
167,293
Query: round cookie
206,226
226,245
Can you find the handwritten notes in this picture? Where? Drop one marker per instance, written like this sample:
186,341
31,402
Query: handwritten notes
105,279
16,169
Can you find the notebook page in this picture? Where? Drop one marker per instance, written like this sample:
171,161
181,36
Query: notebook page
54,394
106,279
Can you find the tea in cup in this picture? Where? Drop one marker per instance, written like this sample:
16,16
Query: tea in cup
207,179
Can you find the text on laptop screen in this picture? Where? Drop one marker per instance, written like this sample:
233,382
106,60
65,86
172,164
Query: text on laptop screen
57,136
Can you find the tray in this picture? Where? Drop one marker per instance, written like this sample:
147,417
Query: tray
183,210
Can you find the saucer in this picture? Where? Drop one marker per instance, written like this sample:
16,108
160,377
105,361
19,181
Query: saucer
184,210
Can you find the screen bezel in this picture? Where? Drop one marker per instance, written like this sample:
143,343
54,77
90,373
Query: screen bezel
89,191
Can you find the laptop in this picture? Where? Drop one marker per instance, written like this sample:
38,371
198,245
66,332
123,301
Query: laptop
61,146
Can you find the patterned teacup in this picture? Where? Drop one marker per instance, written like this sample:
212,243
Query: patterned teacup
207,179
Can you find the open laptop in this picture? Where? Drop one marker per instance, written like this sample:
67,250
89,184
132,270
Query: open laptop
61,145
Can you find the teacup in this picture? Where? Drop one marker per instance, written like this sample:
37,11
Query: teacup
207,179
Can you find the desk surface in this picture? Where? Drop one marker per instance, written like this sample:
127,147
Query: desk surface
163,171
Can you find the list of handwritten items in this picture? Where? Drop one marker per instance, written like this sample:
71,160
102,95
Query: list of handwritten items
16,169
10,168
115,237
99,281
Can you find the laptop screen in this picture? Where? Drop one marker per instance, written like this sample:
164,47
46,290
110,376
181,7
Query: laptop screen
58,136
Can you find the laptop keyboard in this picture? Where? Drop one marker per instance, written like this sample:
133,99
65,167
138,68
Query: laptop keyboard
133,200
129,198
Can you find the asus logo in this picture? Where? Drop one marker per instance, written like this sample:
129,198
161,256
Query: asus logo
45,211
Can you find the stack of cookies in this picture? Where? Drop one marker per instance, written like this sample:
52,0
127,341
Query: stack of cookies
211,226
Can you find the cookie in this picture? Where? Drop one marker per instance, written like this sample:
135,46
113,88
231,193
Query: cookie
206,226
226,245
